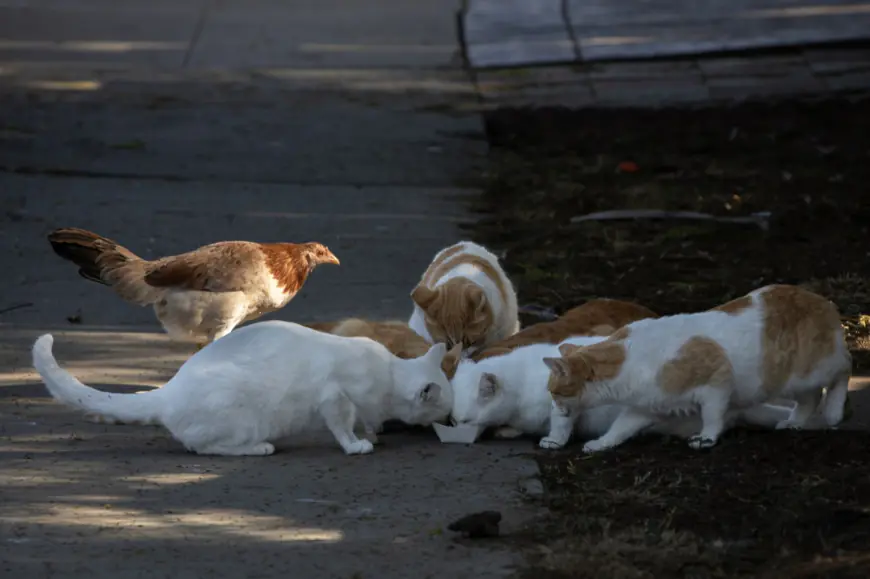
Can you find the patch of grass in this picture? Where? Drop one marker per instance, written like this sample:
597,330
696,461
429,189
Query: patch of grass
805,163
773,504
656,509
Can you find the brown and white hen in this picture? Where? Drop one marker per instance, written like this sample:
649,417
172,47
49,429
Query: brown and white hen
202,294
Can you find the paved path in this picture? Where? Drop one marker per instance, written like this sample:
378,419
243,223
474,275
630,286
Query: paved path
171,124
501,33
794,73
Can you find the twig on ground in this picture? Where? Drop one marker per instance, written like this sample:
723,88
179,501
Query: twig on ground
538,311
761,219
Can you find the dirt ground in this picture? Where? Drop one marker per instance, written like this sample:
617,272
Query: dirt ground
759,504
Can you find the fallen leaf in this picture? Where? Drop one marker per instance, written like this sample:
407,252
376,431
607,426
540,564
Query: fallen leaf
627,167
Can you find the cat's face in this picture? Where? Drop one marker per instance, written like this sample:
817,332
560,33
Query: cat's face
478,397
570,376
456,312
425,393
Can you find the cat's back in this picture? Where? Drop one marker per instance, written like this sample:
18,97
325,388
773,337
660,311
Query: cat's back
280,341
395,335
523,366
465,259
775,331
651,342
599,315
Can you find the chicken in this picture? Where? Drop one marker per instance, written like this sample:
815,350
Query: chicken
203,294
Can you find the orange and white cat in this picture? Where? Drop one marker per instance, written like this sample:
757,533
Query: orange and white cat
776,342
597,317
465,297
395,335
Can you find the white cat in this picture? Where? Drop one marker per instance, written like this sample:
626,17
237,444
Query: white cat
510,392
269,380
465,297
779,341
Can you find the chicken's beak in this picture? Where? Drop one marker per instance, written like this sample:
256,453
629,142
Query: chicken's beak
332,259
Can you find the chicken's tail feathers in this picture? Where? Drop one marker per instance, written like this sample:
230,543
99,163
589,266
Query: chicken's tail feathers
146,407
95,255
104,261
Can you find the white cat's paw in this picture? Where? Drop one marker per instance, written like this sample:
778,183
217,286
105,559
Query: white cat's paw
359,447
550,443
596,446
507,432
263,448
699,442
787,424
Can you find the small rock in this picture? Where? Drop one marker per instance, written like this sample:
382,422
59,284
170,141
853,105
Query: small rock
477,525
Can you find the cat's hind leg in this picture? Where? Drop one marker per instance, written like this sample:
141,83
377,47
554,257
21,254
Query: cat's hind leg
764,415
627,424
806,405
256,449
714,402
371,432
340,416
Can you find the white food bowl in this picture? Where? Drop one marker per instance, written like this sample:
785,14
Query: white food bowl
460,434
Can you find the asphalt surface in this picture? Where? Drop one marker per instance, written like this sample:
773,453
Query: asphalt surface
355,137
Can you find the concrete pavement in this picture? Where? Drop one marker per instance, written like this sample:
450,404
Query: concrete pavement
504,33
167,125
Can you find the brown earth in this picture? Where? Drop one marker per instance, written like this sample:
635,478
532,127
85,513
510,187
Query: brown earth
780,504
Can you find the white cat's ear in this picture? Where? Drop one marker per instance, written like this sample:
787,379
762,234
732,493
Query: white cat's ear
437,352
558,367
431,391
488,385
567,349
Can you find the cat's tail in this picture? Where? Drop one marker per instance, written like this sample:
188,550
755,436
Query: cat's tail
145,407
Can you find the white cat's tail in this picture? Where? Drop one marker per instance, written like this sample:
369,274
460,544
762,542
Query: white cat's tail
145,407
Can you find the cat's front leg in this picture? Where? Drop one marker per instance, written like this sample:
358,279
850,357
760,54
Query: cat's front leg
627,424
714,402
339,414
371,432
561,427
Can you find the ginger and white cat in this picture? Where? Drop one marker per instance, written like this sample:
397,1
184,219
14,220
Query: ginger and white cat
395,335
597,317
776,342
509,392
269,380
464,297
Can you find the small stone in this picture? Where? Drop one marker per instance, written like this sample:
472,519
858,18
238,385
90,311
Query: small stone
477,525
